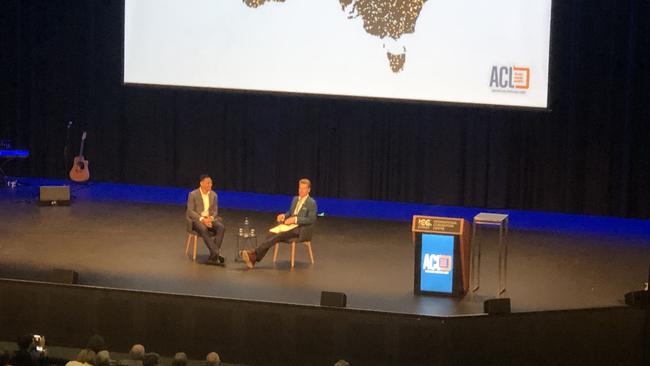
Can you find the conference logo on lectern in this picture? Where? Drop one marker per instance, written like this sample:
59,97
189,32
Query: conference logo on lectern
436,264
510,79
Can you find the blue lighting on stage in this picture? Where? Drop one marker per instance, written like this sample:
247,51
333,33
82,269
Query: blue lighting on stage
366,209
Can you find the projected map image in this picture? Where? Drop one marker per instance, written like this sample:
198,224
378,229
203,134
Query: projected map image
492,52
256,3
387,18
381,18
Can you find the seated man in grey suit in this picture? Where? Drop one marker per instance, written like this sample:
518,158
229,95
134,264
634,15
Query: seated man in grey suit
202,209
302,212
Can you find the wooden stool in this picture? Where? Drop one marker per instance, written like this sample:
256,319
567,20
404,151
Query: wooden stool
187,244
293,252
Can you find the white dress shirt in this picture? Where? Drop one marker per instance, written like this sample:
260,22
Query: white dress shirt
206,204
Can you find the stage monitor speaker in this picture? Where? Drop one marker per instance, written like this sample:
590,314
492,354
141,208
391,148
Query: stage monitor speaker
54,196
66,276
335,299
638,299
497,306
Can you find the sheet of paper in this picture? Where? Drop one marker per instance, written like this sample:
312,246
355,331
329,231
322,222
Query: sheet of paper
282,228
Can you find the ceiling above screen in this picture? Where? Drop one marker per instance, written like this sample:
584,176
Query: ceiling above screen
462,51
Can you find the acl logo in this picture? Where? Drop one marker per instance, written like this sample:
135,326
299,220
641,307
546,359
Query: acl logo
512,77
436,263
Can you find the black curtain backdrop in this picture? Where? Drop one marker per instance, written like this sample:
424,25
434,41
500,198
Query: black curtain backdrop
62,60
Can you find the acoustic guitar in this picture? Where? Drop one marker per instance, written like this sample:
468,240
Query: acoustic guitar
79,171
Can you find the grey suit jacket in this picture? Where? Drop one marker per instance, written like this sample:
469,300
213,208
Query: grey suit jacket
307,213
195,205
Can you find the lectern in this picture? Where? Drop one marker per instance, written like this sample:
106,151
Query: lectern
442,254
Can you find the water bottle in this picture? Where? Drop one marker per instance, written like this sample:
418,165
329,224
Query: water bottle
246,228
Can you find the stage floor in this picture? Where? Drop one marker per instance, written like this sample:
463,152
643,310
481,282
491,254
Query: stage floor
130,243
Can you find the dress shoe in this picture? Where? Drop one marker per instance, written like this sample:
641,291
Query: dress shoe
249,258
212,262
216,260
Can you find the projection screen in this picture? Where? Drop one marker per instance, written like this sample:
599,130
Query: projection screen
493,52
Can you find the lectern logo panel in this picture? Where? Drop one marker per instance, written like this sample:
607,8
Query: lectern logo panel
436,266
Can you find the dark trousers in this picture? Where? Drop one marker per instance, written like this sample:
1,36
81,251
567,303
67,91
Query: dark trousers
212,236
272,239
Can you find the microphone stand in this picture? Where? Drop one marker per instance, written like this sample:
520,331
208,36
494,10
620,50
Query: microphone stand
66,157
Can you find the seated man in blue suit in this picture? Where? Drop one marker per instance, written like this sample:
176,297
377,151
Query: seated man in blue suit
302,212
202,210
